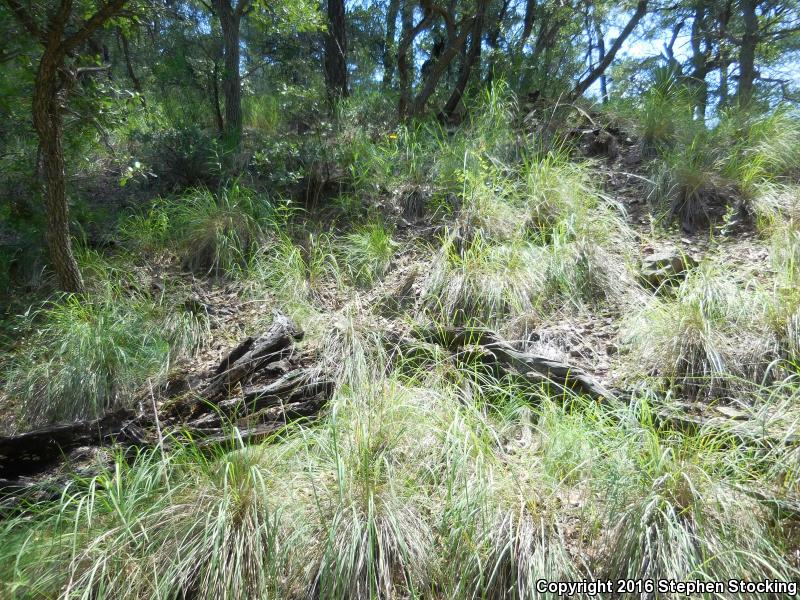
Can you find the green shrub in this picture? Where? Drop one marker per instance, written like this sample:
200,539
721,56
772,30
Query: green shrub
180,157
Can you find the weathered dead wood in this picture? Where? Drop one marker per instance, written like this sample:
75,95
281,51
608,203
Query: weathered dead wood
496,352
35,451
258,388
251,356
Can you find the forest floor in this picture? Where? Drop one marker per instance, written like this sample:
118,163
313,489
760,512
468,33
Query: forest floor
432,413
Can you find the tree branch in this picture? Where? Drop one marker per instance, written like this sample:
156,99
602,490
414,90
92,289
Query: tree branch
582,86
92,24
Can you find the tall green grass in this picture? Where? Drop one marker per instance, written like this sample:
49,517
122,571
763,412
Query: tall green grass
212,233
410,486
530,240
83,355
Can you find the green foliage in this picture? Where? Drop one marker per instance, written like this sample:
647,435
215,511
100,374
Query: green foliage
684,515
179,157
368,252
426,475
760,149
213,233
530,240
687,187
211,526
666,116
710,336
410,485
482,282
84,355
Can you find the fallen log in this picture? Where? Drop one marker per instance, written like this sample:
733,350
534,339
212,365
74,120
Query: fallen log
258,388
498,353
36,451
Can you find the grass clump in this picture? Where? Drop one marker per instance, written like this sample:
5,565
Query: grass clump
368,252
548,240
503,534
704,336
213,233
86,355
783,305
682,513
412,485
482,282
688,188
300,275
376,540
182,525
758,150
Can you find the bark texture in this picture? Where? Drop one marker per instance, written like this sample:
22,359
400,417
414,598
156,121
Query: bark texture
48,121
49,96
336,51
230,21
389,44
747,53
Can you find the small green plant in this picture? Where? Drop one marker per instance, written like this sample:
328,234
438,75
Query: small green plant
368,252
756,150
666,113
377,541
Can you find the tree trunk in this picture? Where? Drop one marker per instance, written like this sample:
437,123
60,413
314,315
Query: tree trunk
47,120
137,85
723,85
336,51
405,57
470,61
231,77
493,41
700,66
747,53
527,27
218,118
389,46
429,85
601,55
455,46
